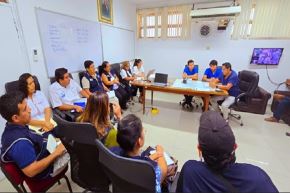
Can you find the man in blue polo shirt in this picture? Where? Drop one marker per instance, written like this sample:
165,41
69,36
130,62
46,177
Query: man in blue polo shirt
19,144
219,172
190,72
229,82
212,72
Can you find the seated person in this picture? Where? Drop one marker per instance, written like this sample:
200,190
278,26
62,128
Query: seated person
111,80
65,91
21,145
37,102
190,72
92,81
127,78
213,72
138,69
219,172
97,112
284,102
229,82
131,138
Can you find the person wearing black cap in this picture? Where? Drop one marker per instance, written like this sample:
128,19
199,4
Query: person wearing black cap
218,171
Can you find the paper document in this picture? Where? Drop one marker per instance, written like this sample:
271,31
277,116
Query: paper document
168,160
111,94
51,143
193,85
39,130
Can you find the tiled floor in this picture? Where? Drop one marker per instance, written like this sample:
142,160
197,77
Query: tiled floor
260,143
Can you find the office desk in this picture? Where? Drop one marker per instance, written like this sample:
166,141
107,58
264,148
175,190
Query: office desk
193,88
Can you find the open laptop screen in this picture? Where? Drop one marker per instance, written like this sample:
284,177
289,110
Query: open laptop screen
161,78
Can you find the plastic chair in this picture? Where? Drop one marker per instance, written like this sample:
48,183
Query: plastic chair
17,177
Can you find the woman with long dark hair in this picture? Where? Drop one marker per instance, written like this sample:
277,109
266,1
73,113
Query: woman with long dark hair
97,112
38,103
111,81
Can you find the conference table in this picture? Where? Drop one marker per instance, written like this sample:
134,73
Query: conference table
192,88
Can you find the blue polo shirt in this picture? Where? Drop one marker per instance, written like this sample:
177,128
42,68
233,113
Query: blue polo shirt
209,74
195,176
233,79
190,73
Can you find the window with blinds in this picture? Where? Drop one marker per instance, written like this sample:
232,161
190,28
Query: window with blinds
167,22
174,25
153,26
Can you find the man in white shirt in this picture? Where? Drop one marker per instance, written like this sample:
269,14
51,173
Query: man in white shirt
65,91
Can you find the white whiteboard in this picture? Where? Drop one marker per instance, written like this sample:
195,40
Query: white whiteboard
67,41
118,44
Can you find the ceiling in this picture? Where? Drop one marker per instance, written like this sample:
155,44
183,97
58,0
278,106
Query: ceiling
158,3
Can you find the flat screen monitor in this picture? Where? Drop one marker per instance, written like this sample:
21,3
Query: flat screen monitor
266,56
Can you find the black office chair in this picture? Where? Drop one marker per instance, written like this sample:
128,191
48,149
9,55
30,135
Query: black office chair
79,140
81,75
14,85
195,103
127,175
248,84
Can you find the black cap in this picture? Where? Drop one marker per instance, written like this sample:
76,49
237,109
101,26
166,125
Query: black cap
215,136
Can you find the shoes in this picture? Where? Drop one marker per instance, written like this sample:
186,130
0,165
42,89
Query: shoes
271,119
288,134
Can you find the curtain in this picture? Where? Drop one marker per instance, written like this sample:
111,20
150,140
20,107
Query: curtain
271,19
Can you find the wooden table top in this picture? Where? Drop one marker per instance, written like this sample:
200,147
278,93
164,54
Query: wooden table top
170,89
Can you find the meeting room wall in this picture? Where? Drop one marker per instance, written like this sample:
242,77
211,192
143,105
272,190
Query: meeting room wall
124,17
123,13
170,56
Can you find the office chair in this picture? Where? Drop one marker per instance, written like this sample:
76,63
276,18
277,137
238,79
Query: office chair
248,84
79,140
126,175
14,85
81,75
17,178
196,102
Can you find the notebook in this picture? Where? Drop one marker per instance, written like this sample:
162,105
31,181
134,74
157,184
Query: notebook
61,162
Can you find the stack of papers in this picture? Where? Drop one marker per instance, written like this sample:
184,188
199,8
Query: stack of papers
193,85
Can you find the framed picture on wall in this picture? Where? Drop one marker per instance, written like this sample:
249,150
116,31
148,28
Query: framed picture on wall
105,10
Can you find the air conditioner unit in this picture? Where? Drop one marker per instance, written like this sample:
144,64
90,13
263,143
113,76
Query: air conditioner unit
215,12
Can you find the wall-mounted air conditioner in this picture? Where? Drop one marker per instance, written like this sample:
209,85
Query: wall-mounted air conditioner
215,12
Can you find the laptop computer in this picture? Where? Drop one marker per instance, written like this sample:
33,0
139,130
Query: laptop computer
160,79
149,74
